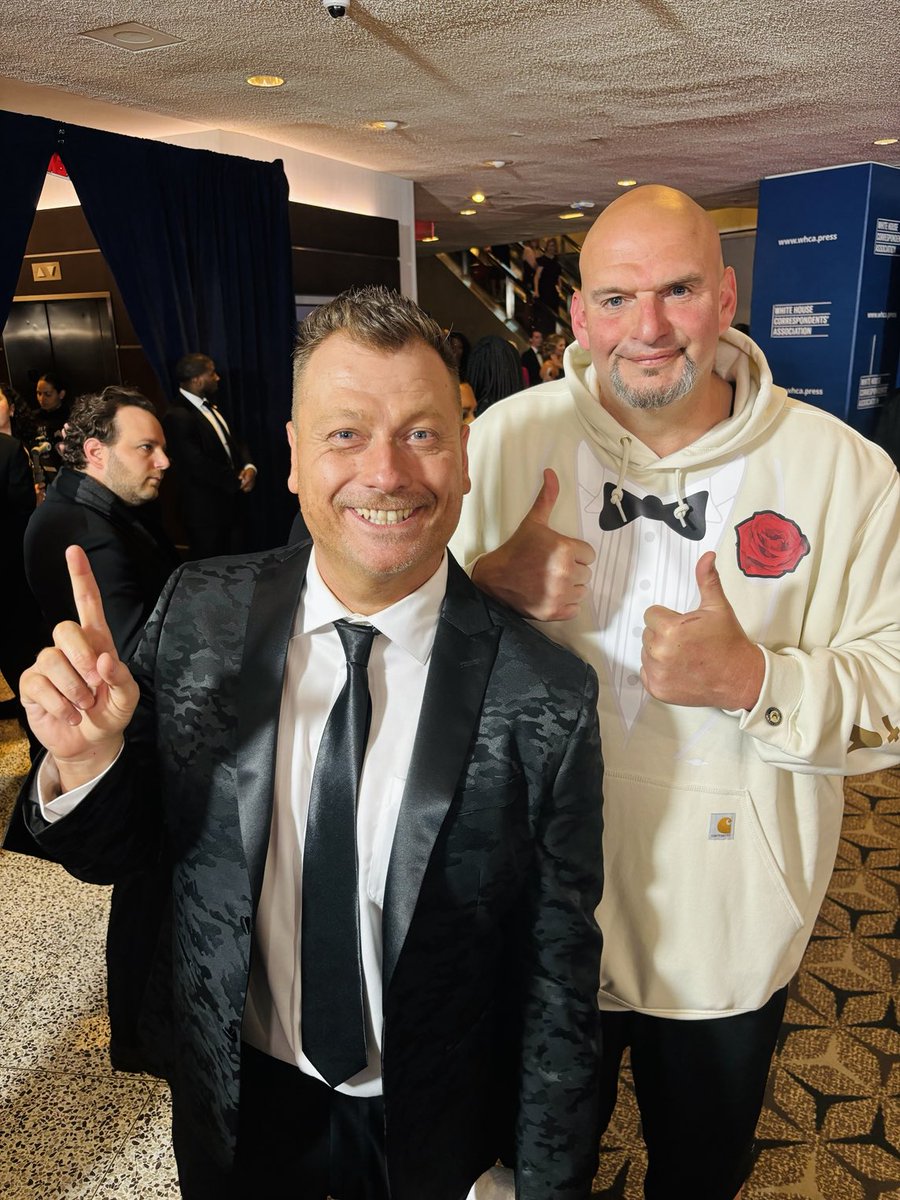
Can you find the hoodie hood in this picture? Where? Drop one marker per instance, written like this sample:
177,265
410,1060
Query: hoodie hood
757,403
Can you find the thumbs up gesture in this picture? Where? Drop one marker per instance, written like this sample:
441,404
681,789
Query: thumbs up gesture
539,572
78,696
701,657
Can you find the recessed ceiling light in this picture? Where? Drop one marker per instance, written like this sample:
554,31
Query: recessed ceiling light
434,238
582,204
495,162
467,212
626,182
265,80
885,141
570,216
385,126
132,36
478,197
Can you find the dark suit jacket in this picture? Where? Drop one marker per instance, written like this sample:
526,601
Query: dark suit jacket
206,483
19,627
532,365
491,951
131,563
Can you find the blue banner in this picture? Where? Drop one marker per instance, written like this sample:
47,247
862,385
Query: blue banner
826,286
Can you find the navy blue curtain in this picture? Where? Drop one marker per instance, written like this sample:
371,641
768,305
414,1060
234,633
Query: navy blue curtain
199,245
26,146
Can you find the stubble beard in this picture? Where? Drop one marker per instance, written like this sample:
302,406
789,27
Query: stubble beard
650,399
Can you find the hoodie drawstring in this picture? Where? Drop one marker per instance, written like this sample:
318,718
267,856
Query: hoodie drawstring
682,508
615,495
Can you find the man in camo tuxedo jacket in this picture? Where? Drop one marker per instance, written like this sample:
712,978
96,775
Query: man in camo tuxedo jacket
489,953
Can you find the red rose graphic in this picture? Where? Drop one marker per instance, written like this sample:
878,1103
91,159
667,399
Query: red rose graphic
770,545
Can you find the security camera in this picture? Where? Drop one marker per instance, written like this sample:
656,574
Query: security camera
336,10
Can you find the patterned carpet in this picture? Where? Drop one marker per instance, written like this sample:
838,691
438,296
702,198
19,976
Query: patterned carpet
831,1126
830,1129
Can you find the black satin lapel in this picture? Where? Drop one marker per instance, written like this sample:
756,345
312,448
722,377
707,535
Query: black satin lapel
461,661
269,626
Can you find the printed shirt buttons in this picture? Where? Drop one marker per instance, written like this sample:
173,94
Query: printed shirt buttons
773,716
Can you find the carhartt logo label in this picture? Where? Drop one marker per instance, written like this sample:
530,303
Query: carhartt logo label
721,827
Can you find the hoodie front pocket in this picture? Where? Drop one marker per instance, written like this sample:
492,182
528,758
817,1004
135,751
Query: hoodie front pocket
697,915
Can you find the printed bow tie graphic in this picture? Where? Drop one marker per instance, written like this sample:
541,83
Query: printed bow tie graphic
653,509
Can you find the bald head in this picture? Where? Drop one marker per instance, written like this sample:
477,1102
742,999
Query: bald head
654,297
647,217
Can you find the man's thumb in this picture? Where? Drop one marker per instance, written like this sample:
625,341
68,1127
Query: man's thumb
545,499
712,594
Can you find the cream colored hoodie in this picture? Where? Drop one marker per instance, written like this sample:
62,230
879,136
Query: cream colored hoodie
721,828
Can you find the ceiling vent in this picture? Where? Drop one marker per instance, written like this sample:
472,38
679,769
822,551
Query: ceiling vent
133,36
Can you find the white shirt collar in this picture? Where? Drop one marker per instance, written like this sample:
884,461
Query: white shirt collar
411,623
196,400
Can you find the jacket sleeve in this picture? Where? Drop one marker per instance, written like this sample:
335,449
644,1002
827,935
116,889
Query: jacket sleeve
557,1133
832,705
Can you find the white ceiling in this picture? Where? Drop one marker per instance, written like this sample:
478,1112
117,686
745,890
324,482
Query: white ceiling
707,95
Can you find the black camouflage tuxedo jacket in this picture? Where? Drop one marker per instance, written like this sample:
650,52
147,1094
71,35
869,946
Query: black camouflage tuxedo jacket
491,951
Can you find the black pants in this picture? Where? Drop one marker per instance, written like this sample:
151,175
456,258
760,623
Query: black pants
300,1140
700,1087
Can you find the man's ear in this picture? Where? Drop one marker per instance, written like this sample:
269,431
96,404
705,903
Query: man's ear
96,454
293,485
727,299
579,323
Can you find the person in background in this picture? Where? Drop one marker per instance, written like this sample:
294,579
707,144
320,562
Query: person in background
20,634
494,371
461,348
552,366
546,284
210,466
103,500
532,358
47,427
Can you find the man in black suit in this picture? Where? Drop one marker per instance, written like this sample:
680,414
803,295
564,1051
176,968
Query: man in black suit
457,1020
211,467
531,358
112,465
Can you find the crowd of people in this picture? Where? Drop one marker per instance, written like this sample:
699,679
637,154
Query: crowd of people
352,801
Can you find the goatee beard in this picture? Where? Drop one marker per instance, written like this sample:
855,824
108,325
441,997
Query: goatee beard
649,399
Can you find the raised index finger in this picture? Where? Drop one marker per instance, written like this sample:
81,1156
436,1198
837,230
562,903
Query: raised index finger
86,595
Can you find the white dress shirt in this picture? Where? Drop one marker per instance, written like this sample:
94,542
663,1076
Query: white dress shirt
200,404
314,675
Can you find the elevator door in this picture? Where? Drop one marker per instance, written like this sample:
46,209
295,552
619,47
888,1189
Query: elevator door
71,337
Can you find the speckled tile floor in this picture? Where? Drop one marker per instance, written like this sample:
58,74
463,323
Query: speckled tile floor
72,1127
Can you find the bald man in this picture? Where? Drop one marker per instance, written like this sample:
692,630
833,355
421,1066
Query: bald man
727,559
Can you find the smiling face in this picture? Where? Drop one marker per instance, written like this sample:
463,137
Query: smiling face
655,296
133,465
378,462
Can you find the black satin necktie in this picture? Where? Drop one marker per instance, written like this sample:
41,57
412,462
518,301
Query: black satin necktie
651,507
332,1018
